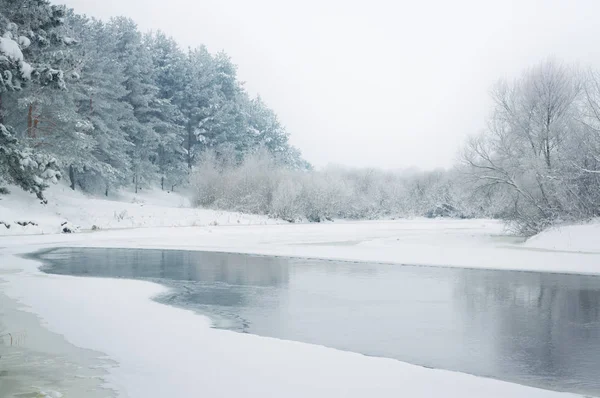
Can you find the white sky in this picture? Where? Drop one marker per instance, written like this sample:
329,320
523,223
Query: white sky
379,83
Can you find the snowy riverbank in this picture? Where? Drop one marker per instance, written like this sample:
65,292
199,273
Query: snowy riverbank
463,243
584,238
22,214
152,208
165,351
458,243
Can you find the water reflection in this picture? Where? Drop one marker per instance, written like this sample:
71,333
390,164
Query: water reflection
171,264
531,328
543,326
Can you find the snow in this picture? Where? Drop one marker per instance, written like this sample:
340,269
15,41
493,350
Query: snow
27,161
69,41
583,238
26,70
10,48
24,42
50,174
166,351
153,208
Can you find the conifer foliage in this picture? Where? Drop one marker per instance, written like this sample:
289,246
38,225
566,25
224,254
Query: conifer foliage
110,107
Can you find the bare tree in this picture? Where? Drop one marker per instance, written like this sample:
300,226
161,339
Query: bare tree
528,147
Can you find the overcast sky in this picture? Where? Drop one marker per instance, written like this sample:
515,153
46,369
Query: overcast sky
390,84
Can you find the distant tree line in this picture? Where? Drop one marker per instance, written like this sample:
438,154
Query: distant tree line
106,106
258,185
536,164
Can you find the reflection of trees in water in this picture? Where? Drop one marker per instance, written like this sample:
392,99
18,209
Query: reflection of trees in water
233,269
339,267
544,325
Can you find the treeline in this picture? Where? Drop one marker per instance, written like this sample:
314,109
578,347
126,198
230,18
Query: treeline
536,164
107,106
258,185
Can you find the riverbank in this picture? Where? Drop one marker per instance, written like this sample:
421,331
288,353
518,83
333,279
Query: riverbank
582,238
444,242
458,243
22,213
35,362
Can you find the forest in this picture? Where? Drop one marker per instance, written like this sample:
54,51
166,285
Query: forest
108,107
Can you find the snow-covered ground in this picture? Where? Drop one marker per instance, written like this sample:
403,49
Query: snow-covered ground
152,208
583,238
164,351
460,243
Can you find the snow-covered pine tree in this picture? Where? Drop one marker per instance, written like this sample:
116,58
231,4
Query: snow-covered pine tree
96,89
47,118
141,95
169,122
197,100
22,23
227,126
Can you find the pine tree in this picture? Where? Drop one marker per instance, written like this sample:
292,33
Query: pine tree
21,24
97,96
169,121
141,95
197,99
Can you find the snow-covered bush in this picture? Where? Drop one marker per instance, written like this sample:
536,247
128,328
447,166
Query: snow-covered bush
287,204
262,185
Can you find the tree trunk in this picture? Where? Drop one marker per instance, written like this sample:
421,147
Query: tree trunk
106,191
1,110
30,121
162,183
547,141
72,176
190,136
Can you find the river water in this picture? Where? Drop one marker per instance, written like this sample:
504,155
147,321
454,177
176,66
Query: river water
538,329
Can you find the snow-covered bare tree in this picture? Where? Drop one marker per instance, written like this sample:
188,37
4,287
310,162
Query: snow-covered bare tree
530,148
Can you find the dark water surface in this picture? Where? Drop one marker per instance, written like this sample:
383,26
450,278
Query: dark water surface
531,328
